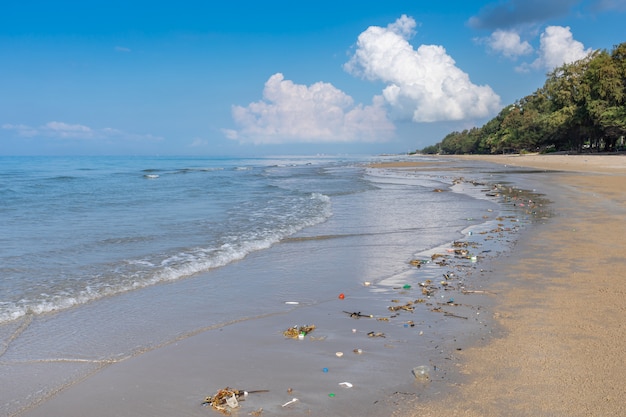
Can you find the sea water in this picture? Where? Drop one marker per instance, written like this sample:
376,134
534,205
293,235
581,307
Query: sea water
103,258
74,230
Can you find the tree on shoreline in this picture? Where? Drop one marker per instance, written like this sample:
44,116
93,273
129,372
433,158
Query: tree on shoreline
581,107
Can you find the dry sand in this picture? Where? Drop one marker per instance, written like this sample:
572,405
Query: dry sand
561,303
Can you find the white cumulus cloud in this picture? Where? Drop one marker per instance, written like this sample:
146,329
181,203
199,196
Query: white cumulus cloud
65,130
53,129
61,130
558,47
295,113
423,85
508,43
22,130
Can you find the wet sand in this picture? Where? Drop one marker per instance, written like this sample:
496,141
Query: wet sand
561,305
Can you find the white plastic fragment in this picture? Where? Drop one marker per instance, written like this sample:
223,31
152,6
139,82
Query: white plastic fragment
346,384
232,402
290,402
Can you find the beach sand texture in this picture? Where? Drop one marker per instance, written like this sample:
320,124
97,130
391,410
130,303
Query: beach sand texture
561,303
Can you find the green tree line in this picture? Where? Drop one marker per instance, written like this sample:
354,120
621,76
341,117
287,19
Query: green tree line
581,107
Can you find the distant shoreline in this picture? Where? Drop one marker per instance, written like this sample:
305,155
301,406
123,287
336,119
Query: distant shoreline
601,163
606,163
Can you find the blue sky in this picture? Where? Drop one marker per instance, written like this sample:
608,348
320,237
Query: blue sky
264,78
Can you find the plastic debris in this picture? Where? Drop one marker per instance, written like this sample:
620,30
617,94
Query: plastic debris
421,373
232,401
227,399
293,400
342,296
295,331
346,384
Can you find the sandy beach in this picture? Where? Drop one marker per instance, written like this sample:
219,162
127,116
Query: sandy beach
560,305
545,338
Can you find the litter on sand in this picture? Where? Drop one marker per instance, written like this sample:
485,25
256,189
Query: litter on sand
227,399
357,314
296,331
290,402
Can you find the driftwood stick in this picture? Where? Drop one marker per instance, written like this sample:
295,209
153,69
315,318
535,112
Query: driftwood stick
478,292
454,315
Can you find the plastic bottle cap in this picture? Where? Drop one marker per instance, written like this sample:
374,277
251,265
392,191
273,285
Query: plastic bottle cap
342,296
325,370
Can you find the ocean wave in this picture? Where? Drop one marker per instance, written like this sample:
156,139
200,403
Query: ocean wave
192,170
133,274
